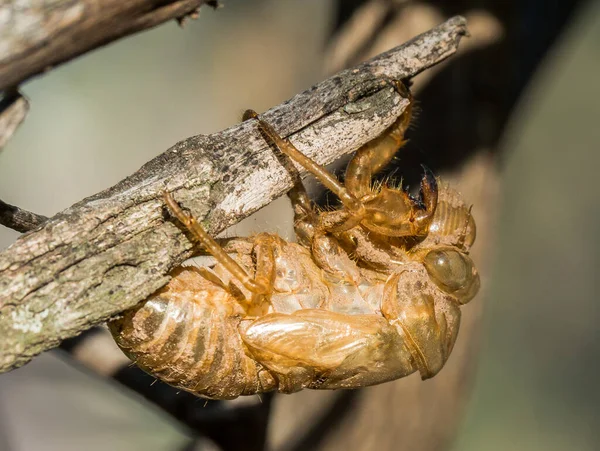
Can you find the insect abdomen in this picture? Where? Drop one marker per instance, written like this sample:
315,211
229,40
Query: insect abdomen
452,218
187,335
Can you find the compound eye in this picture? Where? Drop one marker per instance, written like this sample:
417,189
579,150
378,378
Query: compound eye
453,272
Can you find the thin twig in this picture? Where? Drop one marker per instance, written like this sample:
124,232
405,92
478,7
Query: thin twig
13,109
18,219
112,250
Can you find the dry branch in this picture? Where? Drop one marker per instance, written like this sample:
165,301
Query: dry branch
18,219
108,252
38,35
13,108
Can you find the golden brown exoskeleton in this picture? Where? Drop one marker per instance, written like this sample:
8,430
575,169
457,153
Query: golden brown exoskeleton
370,293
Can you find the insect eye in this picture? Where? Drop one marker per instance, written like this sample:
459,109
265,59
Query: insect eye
453,272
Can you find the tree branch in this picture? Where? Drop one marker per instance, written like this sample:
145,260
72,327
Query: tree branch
18,219
13,108
36,36
110,251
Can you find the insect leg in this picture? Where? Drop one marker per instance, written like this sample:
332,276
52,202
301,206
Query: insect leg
376,154
257,285
264,252
306,217
355,208
326,250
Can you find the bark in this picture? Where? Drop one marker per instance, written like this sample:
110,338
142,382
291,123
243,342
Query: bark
38,35
18,219
13,109
108,252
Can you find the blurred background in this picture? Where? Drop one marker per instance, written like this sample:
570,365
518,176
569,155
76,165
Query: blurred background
512,120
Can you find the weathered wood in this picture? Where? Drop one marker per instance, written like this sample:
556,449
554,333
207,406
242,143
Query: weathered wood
18,219
108,252
38,35
13,109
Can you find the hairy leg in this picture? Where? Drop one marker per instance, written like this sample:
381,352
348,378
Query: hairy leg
261,283
355,210
376,154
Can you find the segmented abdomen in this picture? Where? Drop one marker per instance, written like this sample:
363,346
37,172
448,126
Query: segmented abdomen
187,335
452,220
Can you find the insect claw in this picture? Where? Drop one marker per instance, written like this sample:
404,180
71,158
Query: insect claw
416,201
249,114
428,195
429,176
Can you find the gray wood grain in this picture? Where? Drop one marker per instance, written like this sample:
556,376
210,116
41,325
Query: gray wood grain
13,109
38,35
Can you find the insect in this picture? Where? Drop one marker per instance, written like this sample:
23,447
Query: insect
371,292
